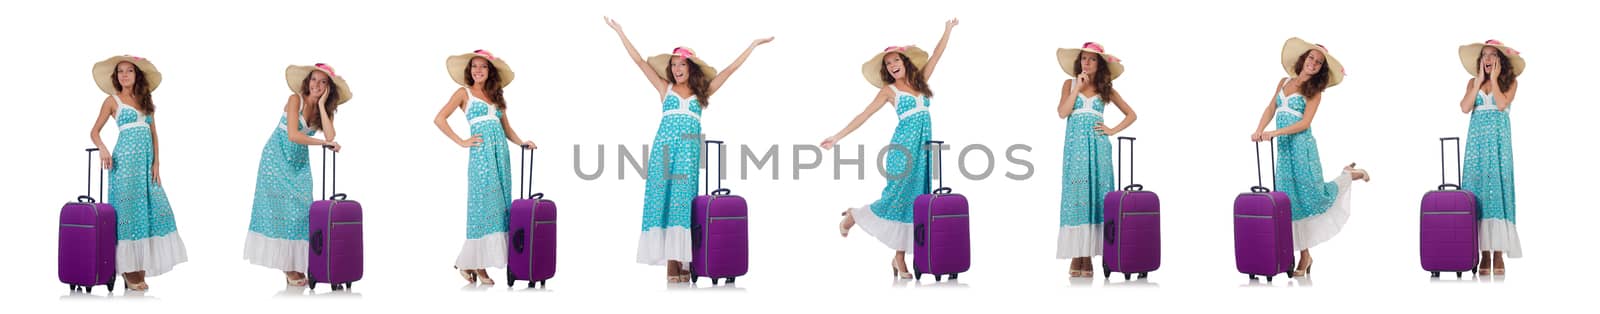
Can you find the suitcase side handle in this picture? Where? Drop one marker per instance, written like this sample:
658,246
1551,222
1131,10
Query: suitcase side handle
316,242
919,233
1111,232
519,242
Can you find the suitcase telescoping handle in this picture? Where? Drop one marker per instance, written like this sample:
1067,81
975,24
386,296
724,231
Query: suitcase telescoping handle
1443,183
1129,187
1271,151
937,148
526,174
707,148
336,194
88,180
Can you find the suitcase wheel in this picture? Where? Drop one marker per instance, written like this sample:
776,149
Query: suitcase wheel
542,285
311,282
938,277
112,284
730,280
1127,276
952,277
1144,275
1436,274
694,279
918,276
1252,277
713,281
1458,275
1108,273
1269,278
88,289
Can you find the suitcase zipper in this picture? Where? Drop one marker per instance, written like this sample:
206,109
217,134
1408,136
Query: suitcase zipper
77,226
1253,216
1141,214
96,255
1448,213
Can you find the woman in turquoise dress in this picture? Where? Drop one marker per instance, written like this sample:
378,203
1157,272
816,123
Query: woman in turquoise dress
1086,169
901,75
1488,165
483,78
685,85
280,213
148,244
1320,207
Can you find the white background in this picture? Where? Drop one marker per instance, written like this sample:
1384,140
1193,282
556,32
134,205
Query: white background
1199,74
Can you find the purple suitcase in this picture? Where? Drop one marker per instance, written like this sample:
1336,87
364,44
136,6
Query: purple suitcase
531,251
721,231
1263,239
1133,227
336,245
87,251
1449,224
942,232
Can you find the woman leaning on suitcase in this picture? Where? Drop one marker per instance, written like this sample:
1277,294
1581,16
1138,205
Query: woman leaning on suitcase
1488,170
147,234
684,84
1320,207
1086,172
483,78
280,213
901,75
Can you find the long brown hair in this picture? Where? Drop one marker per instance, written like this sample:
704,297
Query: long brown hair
491,85
1102,75
141,89
315,121
917,81
698,83
1318,82
1507,74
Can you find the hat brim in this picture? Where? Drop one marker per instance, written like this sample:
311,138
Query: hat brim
104,69
1067,57
457,65
1470,52
660,62
296,74
1294,47
872,69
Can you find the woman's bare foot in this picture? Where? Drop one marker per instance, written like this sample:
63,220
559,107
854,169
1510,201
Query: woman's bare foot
1076,268
471,277
1088,267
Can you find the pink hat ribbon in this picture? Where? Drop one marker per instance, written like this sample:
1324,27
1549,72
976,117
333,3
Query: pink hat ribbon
1502,45
682,52
1101,50
485,54
326,68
